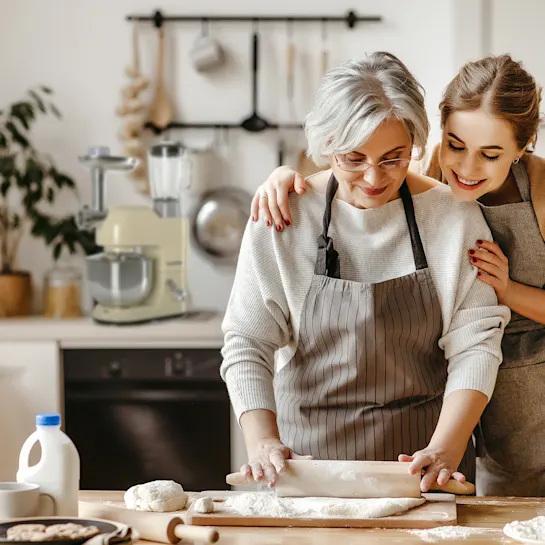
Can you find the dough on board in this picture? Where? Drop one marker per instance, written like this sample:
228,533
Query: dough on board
204,505
159,496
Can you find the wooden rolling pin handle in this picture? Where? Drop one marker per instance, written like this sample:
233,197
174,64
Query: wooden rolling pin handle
201,534
235,479
456,487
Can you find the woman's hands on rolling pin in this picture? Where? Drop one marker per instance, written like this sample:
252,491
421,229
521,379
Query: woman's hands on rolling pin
267,458
270,201
436,464
267,454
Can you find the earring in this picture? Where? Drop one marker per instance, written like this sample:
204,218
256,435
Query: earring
516,161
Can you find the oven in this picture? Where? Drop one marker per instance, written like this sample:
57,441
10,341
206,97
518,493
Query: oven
137,415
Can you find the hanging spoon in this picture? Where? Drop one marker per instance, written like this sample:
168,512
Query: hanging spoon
161,109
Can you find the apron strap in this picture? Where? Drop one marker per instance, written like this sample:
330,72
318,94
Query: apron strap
327,259
419,256
522,180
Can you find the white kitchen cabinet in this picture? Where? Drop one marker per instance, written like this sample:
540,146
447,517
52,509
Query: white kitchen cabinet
30,383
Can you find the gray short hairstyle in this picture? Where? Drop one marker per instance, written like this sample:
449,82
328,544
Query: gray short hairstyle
356,97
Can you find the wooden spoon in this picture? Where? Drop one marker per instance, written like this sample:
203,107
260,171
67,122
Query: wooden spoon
161,108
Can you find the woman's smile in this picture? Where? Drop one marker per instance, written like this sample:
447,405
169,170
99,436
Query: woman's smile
468,183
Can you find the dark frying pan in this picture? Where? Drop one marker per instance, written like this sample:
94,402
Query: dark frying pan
103,526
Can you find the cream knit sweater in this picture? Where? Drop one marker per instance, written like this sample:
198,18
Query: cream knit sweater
274,272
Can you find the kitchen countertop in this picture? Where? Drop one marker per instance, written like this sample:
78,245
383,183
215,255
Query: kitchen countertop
202,331
483,512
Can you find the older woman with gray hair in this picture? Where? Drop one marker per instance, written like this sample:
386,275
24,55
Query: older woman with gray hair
362,333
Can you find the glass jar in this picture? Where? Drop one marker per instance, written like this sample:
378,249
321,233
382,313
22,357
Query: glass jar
62,294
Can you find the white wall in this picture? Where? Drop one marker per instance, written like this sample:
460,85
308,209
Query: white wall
517,28
80,48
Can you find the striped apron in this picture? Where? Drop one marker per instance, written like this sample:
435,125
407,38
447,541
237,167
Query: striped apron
367,379
511,442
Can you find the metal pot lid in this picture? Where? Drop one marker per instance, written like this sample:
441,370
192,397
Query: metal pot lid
219,222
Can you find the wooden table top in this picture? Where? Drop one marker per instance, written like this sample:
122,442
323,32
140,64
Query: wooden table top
487,515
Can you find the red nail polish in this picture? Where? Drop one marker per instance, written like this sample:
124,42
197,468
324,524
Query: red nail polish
288,222
471,252
474,259
479,241
478,273
268,223
278,228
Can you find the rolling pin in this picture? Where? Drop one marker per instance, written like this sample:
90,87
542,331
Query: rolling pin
350,479
162,527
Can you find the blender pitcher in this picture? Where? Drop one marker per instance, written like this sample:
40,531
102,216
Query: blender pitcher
170,169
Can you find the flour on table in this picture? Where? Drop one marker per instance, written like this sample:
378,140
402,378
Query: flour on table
527,531
265,504
449,532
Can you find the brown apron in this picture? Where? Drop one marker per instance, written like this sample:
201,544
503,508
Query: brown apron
367,379
511,442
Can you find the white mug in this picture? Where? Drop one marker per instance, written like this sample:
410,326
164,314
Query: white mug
24,500
206,53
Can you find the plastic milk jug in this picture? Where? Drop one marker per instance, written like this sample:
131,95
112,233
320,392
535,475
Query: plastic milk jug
57,472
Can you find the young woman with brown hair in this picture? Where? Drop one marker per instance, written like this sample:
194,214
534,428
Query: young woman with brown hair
490,118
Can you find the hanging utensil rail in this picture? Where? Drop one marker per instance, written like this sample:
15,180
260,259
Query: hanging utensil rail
158,19
350,19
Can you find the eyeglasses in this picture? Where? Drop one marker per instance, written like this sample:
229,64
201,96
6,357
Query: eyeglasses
388,165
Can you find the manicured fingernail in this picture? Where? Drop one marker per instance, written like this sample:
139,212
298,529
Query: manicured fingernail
268,223
287,222
478,273
474,259
479,241
254,219
278,228
471,252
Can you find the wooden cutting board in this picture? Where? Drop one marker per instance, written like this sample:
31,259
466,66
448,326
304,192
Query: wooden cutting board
439,510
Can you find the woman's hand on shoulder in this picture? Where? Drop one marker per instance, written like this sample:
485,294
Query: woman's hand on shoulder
493,267
270,201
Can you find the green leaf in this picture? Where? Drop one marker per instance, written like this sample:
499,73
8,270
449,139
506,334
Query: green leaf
38,100
4,187
16,135
57,249
7,165
23,112
55,110
61,180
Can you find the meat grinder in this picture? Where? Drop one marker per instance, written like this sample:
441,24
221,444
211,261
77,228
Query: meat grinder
141,273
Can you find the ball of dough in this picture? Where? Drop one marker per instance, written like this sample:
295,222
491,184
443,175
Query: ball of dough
204,505
159,496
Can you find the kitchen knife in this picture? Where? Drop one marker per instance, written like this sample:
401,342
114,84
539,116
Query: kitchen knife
350,479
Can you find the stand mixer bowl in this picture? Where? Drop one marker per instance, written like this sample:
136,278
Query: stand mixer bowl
120,279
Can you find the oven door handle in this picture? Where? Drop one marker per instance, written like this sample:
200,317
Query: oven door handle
146,396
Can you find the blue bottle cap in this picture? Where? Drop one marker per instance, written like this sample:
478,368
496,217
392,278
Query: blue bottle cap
48,419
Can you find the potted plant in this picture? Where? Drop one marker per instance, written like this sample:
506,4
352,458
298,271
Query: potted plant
29,185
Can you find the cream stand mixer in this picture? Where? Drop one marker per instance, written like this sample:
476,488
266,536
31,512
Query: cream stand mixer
141,274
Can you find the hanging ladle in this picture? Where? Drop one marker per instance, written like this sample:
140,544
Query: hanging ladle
255,123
